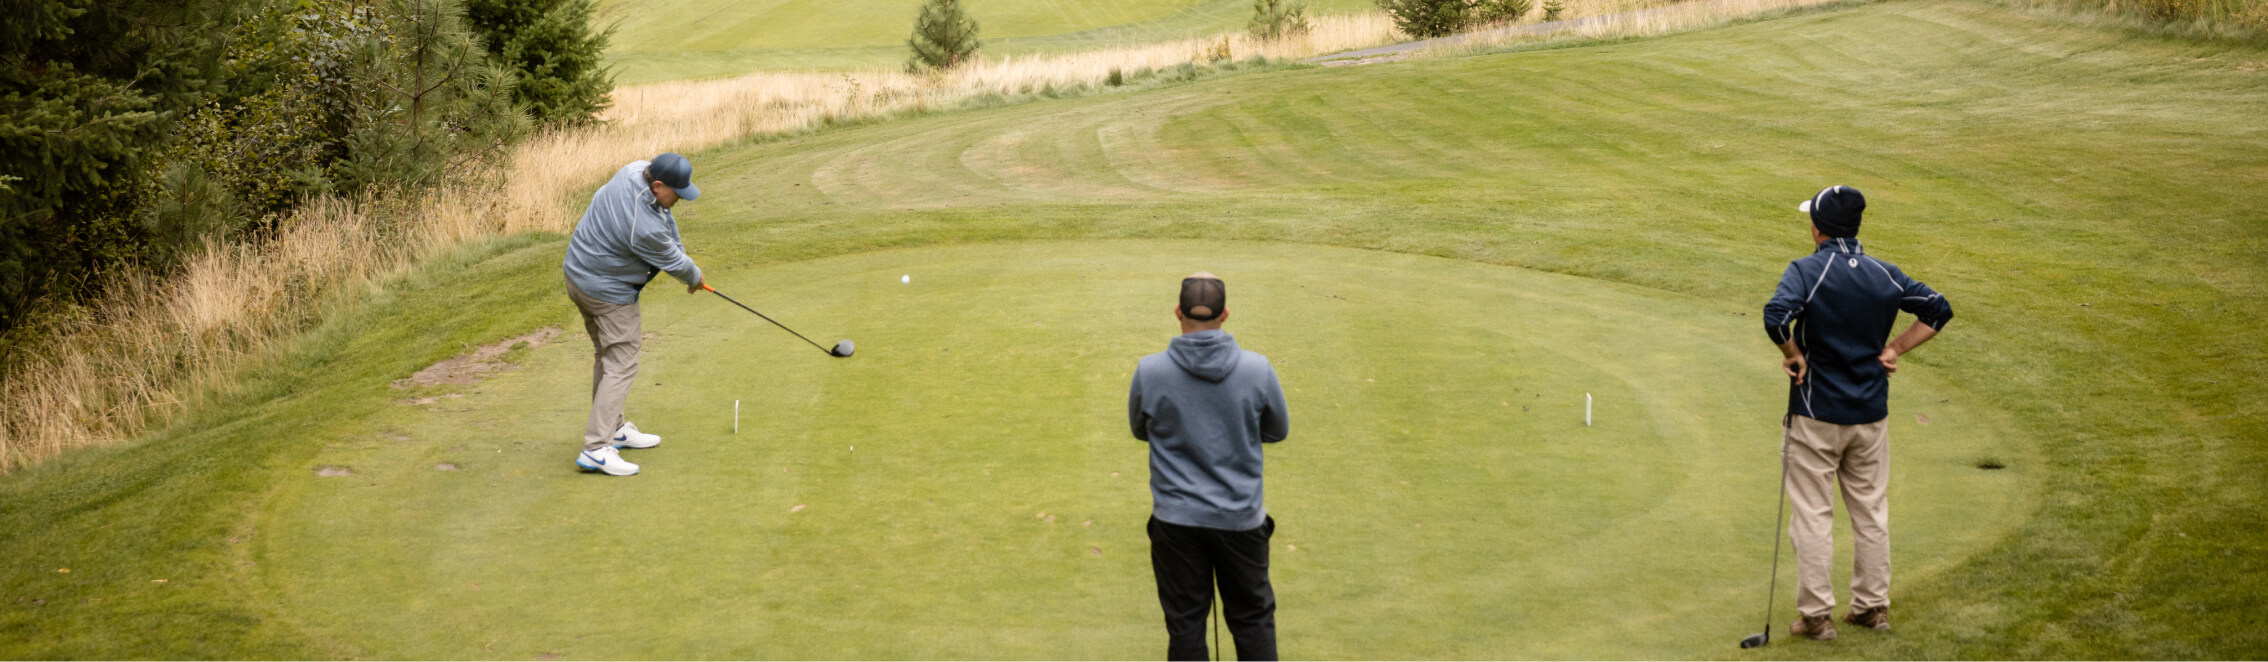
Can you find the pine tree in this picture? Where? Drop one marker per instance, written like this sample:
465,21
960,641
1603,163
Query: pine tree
87,89
1500,11
1425,19
1551,9
131,131
1276,19
944,36
422,101
551,45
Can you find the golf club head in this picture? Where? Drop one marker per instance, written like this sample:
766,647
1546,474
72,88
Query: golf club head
844,348
1756,640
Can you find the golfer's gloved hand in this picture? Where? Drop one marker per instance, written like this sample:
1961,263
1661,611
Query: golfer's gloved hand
696,287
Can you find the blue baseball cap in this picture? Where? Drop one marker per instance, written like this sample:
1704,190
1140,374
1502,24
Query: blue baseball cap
673,171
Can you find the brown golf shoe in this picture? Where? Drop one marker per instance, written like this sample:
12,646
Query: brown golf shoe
1819,628
1877,618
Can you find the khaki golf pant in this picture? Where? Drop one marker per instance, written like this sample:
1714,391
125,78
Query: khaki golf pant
1819,455
614,362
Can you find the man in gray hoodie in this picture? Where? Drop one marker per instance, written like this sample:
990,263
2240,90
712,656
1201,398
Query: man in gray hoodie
1205,407
626,237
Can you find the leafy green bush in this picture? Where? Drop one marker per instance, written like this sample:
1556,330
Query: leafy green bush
944,36
1552,9
1276,19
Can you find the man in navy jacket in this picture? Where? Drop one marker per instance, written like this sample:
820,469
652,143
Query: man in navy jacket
1830,316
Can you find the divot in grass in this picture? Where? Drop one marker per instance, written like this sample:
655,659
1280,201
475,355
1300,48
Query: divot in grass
472,367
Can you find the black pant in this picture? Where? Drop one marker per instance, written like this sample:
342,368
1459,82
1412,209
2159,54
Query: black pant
1187,560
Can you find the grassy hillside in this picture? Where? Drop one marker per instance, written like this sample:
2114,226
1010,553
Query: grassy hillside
1606,217
674,39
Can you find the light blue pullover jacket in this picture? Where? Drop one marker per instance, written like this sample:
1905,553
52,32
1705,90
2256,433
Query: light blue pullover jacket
624,239
1205,406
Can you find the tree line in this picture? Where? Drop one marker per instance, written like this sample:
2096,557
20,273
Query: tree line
133,132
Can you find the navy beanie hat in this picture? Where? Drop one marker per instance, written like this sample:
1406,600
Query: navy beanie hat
1835,211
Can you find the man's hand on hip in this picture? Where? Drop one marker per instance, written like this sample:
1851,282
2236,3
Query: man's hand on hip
1792,362
1915,335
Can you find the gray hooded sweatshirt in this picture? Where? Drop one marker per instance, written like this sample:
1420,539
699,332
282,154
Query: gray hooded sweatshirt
1205,406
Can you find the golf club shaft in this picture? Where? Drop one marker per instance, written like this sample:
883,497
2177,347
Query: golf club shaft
783,327
1216,625
1778,520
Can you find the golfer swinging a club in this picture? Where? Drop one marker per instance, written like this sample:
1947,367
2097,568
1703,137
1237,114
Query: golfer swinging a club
1841,304
626,237
1205,406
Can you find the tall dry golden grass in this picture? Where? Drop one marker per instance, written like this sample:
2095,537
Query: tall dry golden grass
158,348
1616,19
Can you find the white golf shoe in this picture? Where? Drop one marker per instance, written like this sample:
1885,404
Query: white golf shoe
607,461
629,437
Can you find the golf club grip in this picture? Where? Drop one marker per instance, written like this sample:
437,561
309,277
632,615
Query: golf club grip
783,327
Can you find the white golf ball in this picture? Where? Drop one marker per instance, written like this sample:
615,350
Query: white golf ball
908,278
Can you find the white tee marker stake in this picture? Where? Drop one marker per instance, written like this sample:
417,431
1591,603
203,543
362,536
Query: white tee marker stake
1586,410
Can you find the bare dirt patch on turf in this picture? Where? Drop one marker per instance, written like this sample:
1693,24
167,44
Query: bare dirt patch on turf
471,367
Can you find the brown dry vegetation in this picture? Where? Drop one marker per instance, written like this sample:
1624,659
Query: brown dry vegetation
2240,20
1640,21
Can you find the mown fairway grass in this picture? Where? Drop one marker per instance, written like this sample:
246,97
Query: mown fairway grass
675,39
1464,232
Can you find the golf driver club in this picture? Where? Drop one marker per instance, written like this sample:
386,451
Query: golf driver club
842,349
1765,637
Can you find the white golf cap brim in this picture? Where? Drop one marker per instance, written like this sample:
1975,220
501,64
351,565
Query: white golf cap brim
1804,207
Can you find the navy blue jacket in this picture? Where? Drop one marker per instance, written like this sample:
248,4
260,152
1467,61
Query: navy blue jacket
1839,304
